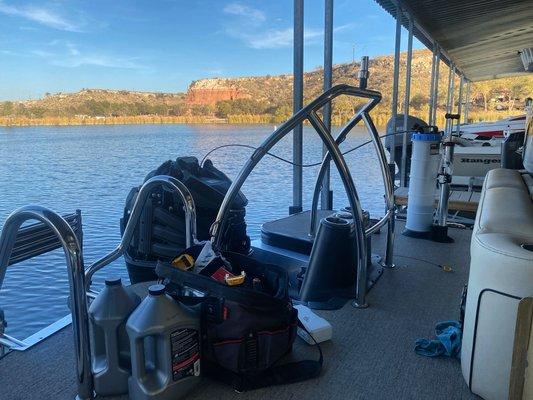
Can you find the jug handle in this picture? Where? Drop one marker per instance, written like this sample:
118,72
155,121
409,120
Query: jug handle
139,358
111,342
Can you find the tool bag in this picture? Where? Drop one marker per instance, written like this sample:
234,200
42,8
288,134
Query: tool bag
245,332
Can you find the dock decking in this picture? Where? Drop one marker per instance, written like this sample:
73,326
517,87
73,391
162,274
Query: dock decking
460,200
370,357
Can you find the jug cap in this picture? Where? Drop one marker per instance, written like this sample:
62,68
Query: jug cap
156,290
113,281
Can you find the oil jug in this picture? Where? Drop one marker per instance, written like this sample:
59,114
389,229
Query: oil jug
165,348
110,349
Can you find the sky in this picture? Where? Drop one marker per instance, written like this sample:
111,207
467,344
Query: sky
162,45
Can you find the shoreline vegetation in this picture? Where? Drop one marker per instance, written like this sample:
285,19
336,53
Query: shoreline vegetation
380,119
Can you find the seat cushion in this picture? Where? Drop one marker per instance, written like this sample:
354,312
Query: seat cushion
501,177
505,210
505,205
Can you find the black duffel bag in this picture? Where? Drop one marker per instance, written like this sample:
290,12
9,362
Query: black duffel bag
245,331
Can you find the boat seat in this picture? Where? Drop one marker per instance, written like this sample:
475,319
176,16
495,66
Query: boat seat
501,274
504,178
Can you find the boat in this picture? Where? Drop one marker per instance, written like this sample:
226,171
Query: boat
490,131
393,289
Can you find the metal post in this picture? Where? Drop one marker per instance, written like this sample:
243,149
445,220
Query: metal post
432,86
445,175
389,192
407,97
396,77
326,198
467,103
436,87
449,99
460,102
298,91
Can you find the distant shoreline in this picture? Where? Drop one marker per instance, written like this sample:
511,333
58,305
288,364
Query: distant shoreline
91,121
380,119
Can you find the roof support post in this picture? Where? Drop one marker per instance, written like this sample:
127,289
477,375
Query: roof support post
436,88
467,103
407,98
327,194
396,78
449,100
431,99
298,89
460,101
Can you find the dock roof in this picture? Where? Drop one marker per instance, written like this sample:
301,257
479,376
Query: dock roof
482,38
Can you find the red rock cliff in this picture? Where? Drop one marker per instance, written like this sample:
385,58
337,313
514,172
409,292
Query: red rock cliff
210,91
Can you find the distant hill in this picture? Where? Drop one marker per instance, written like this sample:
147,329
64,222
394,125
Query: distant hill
260,99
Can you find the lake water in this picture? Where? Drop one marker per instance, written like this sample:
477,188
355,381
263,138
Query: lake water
93,168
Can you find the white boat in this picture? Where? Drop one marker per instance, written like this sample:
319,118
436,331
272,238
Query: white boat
489,131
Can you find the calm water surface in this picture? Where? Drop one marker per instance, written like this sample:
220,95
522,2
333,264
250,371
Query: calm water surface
93,168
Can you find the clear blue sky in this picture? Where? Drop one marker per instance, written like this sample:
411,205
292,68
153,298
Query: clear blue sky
162,45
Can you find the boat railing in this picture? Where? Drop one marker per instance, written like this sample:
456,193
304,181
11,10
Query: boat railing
310,113
75,268
31,241
167,182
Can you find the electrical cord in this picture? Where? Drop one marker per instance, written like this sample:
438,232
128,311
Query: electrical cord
288,161
445,268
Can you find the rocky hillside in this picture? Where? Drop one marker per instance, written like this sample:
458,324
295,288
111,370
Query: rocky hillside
267,98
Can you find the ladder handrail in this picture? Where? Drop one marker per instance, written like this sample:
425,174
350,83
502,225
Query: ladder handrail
75,267
145,191
309,113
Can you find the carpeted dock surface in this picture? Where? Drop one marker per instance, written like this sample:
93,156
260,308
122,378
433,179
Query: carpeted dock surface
370,357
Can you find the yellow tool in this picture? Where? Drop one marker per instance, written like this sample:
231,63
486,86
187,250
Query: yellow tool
185,262
235,280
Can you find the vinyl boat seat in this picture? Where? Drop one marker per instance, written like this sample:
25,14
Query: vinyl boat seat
501,274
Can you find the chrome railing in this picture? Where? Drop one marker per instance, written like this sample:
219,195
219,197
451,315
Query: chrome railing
145,191
309,113
78,300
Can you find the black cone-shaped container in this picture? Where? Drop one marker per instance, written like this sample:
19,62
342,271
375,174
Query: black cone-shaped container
331,276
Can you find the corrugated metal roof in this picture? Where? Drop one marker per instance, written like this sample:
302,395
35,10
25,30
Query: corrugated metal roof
481,37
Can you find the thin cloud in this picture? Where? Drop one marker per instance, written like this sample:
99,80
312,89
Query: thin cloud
98,60
69,56
41,16
250,13
248,25
346,27
276,39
